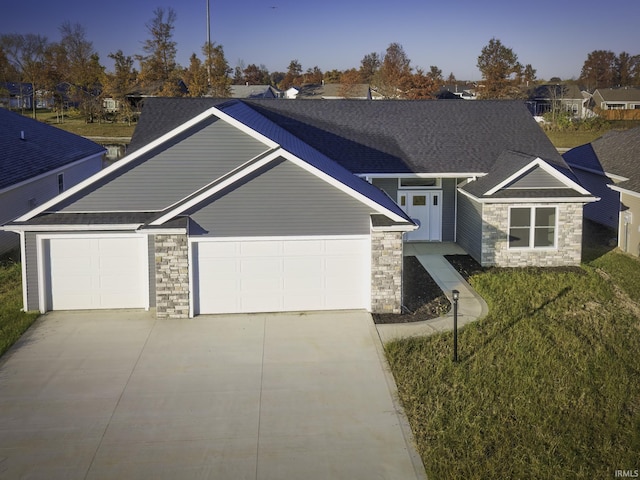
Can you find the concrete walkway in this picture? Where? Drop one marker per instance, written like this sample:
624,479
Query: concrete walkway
122,395
471,306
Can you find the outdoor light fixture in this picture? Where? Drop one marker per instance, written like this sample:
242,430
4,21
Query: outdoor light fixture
456,295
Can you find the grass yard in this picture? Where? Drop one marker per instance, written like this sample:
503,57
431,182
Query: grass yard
13,322
74,122
547,386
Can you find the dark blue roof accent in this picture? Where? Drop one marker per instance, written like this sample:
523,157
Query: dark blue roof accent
252,119
43,149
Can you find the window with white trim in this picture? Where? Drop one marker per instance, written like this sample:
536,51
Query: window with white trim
532,227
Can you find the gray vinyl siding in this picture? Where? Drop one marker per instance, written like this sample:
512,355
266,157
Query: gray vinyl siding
470,226
16,201
31,266
537,178
213,149
449,209
387,185
282,200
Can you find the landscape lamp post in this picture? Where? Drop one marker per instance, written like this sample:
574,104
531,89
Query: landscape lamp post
456,296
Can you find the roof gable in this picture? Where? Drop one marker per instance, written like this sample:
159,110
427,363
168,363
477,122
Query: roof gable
31,148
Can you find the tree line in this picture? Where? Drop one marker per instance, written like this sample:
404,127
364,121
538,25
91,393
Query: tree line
72,60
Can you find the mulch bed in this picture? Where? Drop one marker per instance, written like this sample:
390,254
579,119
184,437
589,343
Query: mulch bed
423,298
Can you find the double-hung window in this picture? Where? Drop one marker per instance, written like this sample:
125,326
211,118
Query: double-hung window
532,227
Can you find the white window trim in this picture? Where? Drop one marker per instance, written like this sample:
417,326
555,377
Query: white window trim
532,229
436,186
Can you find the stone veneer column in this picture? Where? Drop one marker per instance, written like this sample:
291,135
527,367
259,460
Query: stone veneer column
172,276
386,272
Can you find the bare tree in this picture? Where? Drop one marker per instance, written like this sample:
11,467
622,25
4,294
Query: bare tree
158,66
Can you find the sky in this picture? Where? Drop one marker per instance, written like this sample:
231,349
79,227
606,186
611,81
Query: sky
554,36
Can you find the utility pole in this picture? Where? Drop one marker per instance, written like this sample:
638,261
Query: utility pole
208,46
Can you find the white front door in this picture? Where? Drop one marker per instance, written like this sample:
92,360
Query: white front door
424,206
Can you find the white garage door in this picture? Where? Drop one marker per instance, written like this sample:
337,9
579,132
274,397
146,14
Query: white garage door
281,275
96,272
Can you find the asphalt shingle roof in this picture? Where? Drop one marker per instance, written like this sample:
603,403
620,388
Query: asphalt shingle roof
384,136
616,152
43,149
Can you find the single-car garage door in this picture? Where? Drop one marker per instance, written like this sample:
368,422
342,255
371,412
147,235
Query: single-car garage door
95,272
272,275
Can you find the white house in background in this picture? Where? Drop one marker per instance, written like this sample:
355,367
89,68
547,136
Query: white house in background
37,162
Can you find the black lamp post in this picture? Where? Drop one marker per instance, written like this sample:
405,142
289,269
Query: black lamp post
456,296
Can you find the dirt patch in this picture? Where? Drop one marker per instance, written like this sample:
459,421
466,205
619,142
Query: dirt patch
423,298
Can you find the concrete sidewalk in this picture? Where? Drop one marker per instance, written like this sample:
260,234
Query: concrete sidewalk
120,394
471,306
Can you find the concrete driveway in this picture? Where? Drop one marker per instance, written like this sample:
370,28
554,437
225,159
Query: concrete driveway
104,395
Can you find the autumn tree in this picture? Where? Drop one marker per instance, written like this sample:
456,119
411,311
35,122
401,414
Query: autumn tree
120,82
499,65
424,86
293,75
195,77
158,67
349,81
312,75
83,70
27,55
394,76
216,63
599,70
255,75
369,66
529,74
333,76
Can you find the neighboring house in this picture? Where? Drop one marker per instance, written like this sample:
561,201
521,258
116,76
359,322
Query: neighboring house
334,91
255,91
16,95
226,206
37,162
463,91
624,98
609,168
563,98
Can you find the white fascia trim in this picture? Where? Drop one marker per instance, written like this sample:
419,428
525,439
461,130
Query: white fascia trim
70,228
538,162
51,172
196,239
395,228
213,111
163,231
624,190
208,191
342,187
531,200
422,175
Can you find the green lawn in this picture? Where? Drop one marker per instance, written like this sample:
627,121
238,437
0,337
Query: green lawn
75,123
547,386
13,322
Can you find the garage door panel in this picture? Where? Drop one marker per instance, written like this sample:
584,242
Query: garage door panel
93,273
281,275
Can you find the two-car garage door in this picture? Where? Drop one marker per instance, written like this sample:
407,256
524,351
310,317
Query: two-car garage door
271,275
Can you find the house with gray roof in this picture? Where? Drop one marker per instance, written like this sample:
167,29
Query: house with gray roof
235,206
255,91
623,98
559,98
38,162
609,168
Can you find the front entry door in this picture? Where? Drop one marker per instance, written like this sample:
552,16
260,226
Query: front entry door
424,206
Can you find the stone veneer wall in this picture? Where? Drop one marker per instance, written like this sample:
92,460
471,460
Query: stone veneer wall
172,276
386,272
495,251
